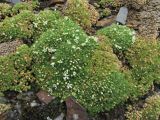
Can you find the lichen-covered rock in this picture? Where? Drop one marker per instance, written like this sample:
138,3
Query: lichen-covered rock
137,4
9,47
146,20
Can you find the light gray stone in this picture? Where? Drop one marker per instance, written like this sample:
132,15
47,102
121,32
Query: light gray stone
122,15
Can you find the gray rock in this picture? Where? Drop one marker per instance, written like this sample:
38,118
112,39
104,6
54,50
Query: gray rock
122,15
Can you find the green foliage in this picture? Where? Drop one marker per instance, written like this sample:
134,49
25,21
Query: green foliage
150,110
69,63
103,2
5,9
121,37
45,20
27,25
105,12
21,6
106,86
78,11
144,59
61,55
14,70
19,26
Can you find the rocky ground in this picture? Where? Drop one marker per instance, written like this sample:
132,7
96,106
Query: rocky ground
146,20
9,47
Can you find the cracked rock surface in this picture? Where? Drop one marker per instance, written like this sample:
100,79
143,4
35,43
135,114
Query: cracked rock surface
9,47
147,20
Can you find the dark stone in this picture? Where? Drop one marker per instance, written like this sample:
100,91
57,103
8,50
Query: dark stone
53,2
10,94
75,111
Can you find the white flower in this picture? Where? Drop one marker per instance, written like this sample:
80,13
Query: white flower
133,32
55,86
68,42
77,30
45,22
66,17
78,48
60,61
53,58
117,46
44,50
65,78
65,74
52,64
114,29
74,47
69,85
35,24
48,118
10,37
51,50
74,73
83,44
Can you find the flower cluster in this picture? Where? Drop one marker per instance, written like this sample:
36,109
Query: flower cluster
27,25
121,37
44,20
105,86
65,51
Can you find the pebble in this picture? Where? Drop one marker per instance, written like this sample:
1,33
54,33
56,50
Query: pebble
34,104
